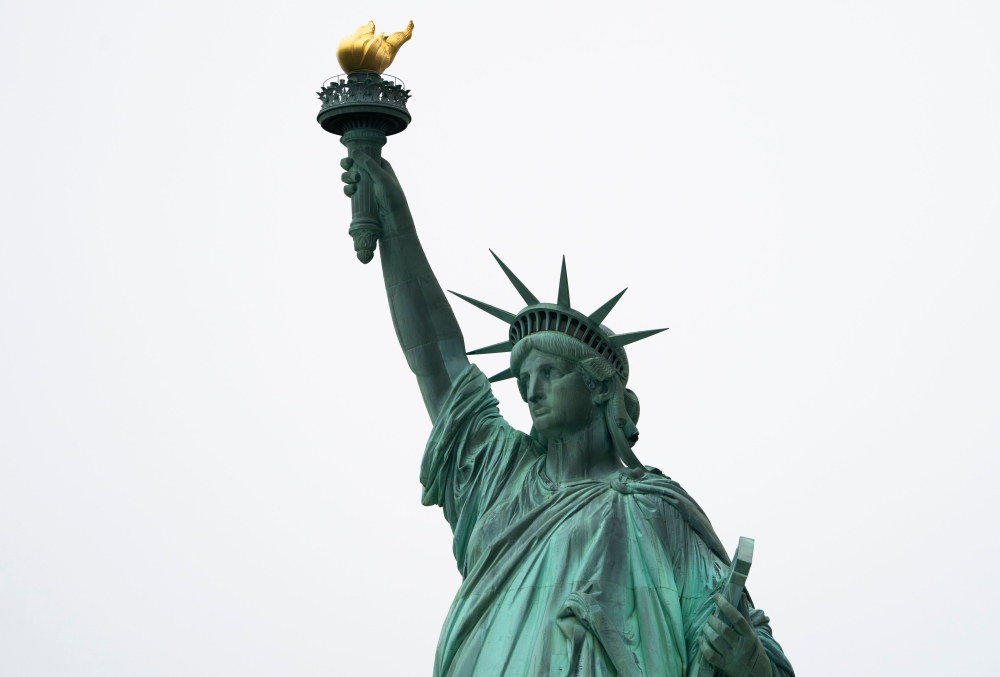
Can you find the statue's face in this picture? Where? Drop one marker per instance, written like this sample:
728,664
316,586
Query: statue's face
558,398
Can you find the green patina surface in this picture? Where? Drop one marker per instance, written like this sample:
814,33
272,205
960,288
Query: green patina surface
576,559
611,575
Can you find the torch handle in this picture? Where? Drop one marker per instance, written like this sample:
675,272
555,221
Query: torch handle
365,228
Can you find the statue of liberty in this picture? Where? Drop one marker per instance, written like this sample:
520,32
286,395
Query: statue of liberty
576,559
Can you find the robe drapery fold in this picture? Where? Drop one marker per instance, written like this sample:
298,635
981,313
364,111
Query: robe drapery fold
586,578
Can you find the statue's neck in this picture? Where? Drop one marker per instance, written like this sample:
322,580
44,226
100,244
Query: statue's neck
587,454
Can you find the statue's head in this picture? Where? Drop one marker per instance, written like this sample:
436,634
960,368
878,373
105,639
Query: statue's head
545,336
568,386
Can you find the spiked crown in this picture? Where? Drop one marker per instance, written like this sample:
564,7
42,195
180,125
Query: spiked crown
560,317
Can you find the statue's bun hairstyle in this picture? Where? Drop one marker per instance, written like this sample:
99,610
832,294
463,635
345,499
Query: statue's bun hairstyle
632,405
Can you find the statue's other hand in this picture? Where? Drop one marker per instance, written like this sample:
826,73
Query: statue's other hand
735,648
393,211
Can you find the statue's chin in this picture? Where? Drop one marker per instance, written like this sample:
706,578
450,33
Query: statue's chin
539,420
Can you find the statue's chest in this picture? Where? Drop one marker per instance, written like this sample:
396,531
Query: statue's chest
564,526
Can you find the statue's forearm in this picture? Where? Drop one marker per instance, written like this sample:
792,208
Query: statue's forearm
425,325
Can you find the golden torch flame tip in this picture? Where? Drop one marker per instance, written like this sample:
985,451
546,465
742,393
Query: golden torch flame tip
362,50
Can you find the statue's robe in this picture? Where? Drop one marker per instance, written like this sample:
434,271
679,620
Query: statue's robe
584,579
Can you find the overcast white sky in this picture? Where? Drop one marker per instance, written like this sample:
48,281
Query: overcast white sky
209,440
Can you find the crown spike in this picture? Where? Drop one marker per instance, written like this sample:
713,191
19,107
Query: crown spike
622,340
492,310
525,293
563,298
502,376
502,347
598,315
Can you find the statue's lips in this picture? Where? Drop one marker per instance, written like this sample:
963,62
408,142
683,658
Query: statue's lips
540,411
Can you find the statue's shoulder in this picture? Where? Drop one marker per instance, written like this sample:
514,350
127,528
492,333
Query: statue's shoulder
470,396
648,480
654,479
654,482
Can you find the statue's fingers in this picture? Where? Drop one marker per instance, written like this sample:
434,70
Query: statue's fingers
346,163
350,177
710,655
350,189
727,633
374,169
735,618
717,641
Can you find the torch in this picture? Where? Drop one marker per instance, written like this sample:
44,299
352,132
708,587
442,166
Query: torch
363,106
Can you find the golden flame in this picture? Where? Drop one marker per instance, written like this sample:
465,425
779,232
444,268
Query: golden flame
362,50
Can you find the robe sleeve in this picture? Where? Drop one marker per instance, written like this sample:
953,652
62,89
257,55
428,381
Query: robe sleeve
700,573
470,457
780,667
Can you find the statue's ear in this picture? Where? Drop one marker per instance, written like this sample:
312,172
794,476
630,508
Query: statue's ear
603,392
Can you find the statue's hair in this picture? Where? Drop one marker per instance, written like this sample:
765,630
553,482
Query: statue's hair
594,368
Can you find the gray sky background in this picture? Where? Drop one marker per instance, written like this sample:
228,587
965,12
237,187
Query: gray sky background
210,442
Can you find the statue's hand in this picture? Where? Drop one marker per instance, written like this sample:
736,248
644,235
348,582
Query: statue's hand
393,212
735,650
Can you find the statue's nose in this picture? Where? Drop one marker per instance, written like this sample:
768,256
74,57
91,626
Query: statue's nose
535,392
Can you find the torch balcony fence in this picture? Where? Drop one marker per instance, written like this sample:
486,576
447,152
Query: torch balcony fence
363,88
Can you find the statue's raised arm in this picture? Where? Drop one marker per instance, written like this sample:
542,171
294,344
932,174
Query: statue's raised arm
425,325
